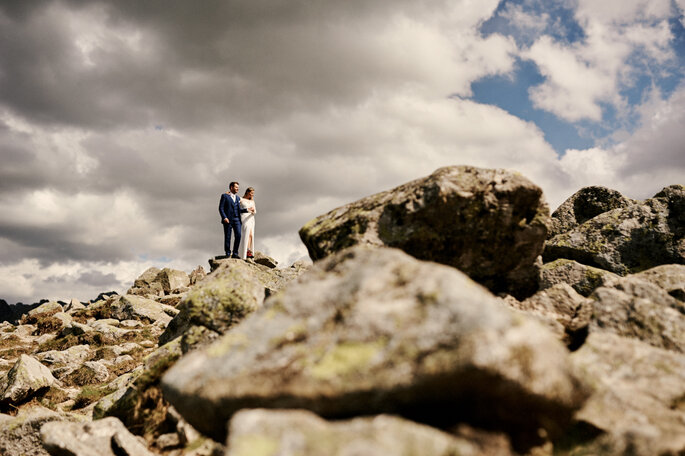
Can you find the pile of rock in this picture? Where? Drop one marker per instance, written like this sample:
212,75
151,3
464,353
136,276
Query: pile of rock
451,315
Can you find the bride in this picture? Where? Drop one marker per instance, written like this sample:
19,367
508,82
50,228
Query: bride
248,220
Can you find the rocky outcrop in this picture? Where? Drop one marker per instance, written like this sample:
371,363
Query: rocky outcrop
276,431
586,203
639,404
490,224
376,331
627,239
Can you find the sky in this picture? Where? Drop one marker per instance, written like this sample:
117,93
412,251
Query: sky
122,122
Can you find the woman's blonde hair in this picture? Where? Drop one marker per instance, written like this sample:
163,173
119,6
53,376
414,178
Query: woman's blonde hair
248,190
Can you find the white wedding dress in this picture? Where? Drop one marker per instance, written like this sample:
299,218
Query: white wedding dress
248,222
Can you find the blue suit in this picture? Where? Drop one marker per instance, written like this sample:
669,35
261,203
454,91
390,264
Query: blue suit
231,211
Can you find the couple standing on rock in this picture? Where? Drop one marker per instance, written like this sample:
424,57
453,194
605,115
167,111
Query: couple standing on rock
237,216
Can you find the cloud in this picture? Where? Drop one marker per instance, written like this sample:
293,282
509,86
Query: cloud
650,159
622,40
121,122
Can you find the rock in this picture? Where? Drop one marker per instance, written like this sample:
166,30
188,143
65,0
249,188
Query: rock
168,441
640,397
172,300
635,308
586,203
65,318
26,378
218,302
302,432
105,437
490,224
74,305
265,260
626,240
172,279
20,435
47,308
65,361
140,404
584,279
670,277
132,307
146,278
146,284
565,305
197,275
371,331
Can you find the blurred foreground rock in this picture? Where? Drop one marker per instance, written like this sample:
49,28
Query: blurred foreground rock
375,331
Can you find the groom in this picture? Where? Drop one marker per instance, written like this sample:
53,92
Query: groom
229,208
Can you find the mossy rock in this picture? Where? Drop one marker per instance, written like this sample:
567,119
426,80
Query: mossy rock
490,224
220,301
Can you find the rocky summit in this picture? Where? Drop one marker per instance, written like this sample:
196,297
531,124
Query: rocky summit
449,316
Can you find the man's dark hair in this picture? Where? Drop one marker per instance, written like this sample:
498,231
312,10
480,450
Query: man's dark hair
232,184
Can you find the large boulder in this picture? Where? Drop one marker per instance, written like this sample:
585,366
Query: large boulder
131,307
276,432
105,437
219,301
373,330
628,239
586,203
632,307
490,224
640,398
26,378
584,279
172,279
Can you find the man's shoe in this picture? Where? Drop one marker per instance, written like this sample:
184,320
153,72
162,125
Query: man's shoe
235,256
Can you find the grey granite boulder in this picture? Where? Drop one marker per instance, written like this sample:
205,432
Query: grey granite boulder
131,307
50,307
219,301
490,224
265,260
172,279
584,279
586,203
105,437
627,240
670,277
26,378
145,284
373,330
290,432
639,400
632,307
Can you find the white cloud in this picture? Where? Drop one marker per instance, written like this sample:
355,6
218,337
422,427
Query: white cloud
580,76
650,159
115,149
